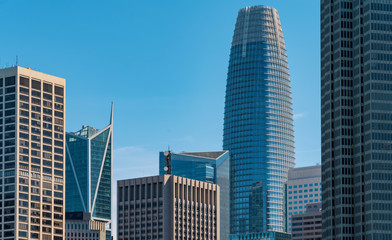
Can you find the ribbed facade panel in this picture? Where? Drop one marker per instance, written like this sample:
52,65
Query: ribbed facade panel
356,114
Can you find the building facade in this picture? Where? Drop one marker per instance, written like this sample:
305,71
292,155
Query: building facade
356,110
258,120
89,173
167,207
303,187
32,121
262,236
212,167
79,226
307,225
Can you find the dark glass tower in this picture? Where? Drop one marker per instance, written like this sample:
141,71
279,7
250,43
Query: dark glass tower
258,123
356,119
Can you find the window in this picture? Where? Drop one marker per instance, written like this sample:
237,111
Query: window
24,81
36,84
47,87
9,81
59,90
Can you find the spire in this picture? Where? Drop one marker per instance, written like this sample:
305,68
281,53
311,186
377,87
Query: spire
111,115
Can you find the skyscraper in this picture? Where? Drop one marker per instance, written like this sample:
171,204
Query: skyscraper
89,173
258,122
212,167
356,119
32,120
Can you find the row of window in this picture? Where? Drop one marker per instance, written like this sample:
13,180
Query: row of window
305,185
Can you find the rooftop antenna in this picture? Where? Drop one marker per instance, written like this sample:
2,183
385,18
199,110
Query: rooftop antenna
167,167
16,60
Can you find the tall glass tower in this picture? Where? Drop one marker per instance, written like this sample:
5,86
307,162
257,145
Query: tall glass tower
258,123
89,164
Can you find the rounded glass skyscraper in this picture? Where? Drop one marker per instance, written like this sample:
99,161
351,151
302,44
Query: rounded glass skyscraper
258,122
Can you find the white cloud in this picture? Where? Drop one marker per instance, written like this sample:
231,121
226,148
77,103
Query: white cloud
299,115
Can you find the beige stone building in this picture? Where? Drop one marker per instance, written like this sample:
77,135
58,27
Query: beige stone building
80,226
167,207
307,226
32,120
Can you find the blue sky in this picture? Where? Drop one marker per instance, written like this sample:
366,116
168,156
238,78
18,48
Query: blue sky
162,63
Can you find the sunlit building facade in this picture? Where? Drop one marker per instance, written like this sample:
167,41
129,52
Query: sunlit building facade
211,167
89,173
167,207
303,187
258,120
32,121
79,226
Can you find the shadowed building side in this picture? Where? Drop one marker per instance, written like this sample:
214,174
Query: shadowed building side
356,119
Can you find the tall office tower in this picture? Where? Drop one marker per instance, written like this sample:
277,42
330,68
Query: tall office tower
356,118
303,187
32,120
212,167
89,173
307,225
258,123
167,207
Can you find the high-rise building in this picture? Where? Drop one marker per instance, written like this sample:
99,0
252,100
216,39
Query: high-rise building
89,170
212,167
32,121
258,121
79,226
303,187
356,110
307,225
167,207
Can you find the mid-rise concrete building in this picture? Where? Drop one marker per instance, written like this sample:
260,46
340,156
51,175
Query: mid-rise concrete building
212,167
32,138
79,226
167,207
303,187
307,226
